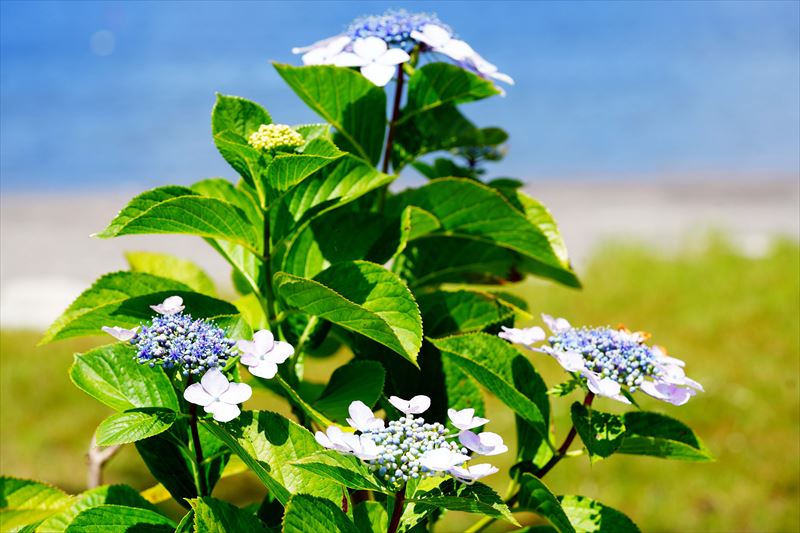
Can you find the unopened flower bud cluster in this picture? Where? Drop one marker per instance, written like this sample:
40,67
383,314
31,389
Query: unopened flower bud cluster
274,136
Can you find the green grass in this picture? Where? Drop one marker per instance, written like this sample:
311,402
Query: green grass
735,320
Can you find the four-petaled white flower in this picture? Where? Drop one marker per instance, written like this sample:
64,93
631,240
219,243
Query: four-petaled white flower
323,52
473,473
119,333
217,395
263,354
525,336
362,418
485,443
170,306
359,445
378,62
414,406
465,418
442,459
440,40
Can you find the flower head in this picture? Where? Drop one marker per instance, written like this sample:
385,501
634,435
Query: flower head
217,395
614,360
274,136
394,26
408,448
175,340
263,354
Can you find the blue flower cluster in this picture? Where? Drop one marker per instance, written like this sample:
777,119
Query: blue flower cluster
610,353
178,340
394,26
402,443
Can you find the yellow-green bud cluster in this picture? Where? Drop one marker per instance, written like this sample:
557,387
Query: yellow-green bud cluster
272,136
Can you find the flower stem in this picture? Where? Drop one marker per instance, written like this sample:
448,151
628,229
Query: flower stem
200,480
270,310
387,154
397,512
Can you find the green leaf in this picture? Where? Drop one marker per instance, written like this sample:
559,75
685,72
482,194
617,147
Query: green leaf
105,495
211,514
438,84
111,375
532,445
243,158
287,170
180,210
601,433
474,498
308,514
267,442
448,312
124,299
357,380
237,115
119,519
490,361
341,468
347,100
536,497
133,425
335,185
24,502
468,209
658,435
362,297
590,516
171,267
370,517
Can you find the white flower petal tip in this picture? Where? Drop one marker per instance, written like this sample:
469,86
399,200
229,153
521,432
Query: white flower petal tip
442,460
556,325
361,446
362,418
485,443
605,387
525,336
569,361
377,61
465,419
170,306
668,392
473,473
121,334
217,395
414,406
322,52
263,354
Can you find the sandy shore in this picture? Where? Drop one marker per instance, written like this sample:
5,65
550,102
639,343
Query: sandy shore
47,257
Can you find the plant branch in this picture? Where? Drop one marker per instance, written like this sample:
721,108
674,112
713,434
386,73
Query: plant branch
397,512
387,154
98,457
200,480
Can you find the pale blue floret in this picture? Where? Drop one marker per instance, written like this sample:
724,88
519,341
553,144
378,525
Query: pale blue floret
179,341
394,26
610,353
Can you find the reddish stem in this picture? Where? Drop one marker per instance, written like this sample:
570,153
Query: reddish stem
397,512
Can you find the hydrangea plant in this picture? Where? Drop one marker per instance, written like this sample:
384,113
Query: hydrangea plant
412,286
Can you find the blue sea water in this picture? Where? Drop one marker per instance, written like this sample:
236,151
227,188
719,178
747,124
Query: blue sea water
117,95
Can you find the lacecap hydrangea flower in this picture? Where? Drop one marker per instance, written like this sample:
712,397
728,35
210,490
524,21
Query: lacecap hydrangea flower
378,43
410,448
610,359
174,339
275,136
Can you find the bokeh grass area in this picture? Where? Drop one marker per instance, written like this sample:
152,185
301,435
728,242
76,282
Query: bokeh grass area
735,320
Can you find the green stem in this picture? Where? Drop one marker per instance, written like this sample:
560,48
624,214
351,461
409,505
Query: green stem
387,154
200,478
267,291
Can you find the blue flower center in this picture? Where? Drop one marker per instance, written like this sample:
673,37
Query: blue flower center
394,26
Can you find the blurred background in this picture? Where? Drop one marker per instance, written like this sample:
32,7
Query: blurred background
664,136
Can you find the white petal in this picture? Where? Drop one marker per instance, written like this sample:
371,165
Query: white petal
121,334
474,472
248,347
378,74
280,352
249,359
319,56
570,361
442,459
667,392
195,394
263,341
433,35
400,404
214,382
419,404
370,47
369,450
170,306
524,336
348,59
324,43
470,440
456,49
505,78
223,412
394,56
556,325
264,369
362,418
465,419
323,440
237,393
